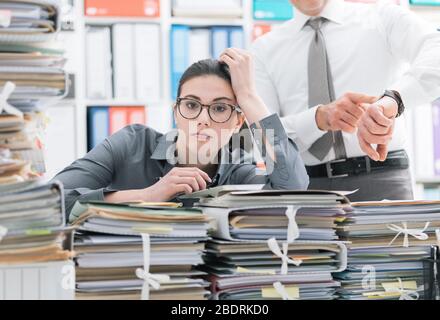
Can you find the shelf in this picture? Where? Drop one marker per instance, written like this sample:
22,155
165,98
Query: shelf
428,180
125,103
113,20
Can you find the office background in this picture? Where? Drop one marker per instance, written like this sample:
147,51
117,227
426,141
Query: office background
124,63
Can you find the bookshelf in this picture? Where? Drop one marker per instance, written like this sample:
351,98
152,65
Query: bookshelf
159,112
165,23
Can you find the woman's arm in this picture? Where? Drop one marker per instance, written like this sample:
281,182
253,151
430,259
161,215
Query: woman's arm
89,178
284,166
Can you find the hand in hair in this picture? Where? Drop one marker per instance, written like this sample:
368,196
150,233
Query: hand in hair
240,63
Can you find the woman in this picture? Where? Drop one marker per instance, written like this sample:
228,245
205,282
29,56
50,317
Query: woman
138,163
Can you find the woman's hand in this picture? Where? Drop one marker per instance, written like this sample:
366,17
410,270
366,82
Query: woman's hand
179,180
242,72
241,67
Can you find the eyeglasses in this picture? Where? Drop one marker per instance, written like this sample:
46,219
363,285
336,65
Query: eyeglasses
218,112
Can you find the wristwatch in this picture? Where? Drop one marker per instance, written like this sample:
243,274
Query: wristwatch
396,97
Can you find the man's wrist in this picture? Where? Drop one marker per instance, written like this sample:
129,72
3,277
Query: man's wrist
390,106
321,118
395,96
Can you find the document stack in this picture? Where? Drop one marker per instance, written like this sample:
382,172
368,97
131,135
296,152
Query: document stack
259,214
388,243
111,255
245,270
273,244
31,75
34,245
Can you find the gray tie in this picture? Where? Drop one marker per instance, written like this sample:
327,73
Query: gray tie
321,91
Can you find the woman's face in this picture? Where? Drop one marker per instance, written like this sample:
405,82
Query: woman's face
201,138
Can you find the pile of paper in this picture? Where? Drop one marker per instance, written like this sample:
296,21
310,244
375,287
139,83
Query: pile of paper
248,269
272,244
21,148
28,20
261,214
110,250
30,67
32,223
31,76
388,243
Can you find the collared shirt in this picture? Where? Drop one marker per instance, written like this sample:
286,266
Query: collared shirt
137,156
370,48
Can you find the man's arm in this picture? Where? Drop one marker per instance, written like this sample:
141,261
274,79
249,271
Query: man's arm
417,43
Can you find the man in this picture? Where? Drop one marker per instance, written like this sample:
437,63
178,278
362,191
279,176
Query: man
340,75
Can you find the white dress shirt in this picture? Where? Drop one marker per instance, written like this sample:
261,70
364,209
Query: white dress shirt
370,48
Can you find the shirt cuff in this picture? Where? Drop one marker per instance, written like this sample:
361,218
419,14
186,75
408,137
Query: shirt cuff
90,195
305,127
410,91
272,122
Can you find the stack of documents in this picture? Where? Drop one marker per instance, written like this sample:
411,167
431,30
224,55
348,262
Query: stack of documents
26,27
262,214
248,269
31,76
388,242
28,20
32,224
36,73
256,230
109,250
21,149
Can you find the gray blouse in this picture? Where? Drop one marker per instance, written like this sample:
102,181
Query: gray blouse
137,156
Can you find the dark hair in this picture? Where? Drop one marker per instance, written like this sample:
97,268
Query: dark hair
204,68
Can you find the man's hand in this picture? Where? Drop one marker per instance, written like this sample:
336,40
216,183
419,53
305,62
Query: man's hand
342,114
376,127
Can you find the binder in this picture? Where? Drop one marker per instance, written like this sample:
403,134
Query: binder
120,8
147,57
98,63
97,125
160,118
123,57
199,45
179,50
220,40
236,37
273,10
136,115
117,119
121,117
